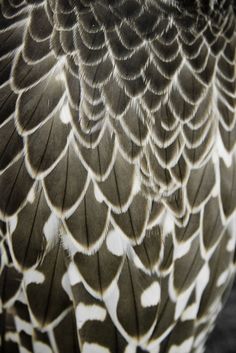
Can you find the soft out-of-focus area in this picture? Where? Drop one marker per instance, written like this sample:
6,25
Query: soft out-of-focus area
223,338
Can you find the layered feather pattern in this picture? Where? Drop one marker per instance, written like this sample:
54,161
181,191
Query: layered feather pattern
117,173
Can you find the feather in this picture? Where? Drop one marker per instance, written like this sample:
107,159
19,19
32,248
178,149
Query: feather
25,74
7,102
5,68
149,251
219,268
100,160
197,194
133,222
99,270
11,145
212,231
10,282
66,335
168,255
14,178
45,288
28,238
166,312
12,38
117,188
134,127
45,98
227,188
33,50
129,150
89,222
91,331
116,98
191,228
65,190
38,32
228,137
45,147
132,287
183,275
117,158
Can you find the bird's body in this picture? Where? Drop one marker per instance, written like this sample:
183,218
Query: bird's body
117,173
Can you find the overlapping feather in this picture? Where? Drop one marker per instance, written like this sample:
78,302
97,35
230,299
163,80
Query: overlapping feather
117,173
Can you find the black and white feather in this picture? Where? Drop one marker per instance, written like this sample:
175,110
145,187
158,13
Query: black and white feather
117,173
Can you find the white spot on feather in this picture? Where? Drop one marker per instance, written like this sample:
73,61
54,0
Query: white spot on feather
40,347
73,273
86,313
98,194
202,281
66,285
200,339
131,348
61,74
68,244
181,249
31,196
116,243
51,228
22,325
137,183
185,347
182,301
167,223
222,152
23,350
190,313
33,276
13,224
230,245
65,114
151,295
136,260
11,336
222,278
94,348
231,228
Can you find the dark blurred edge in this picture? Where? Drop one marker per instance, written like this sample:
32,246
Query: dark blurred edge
223,338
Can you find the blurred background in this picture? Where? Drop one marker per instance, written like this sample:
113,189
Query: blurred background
223,338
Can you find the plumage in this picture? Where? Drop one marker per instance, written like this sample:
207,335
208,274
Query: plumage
117,173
